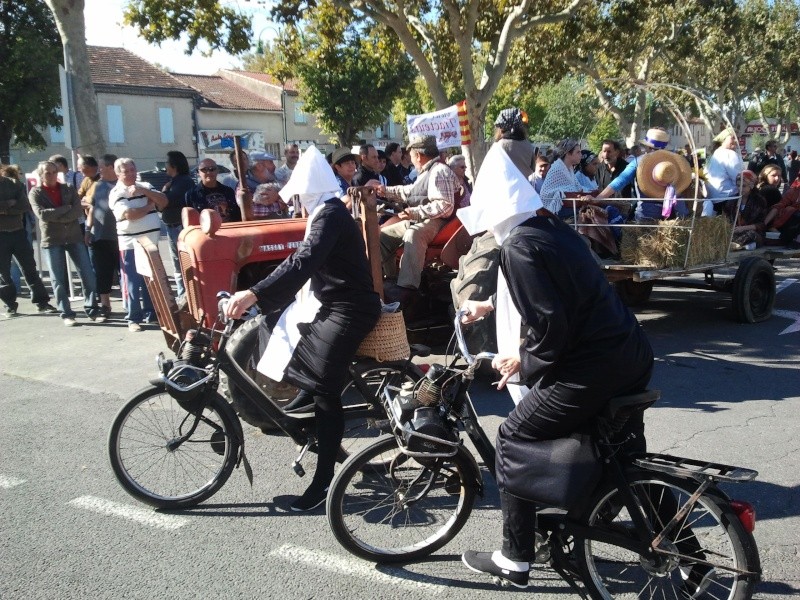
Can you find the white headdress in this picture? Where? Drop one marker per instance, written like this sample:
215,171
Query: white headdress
312,179
502,198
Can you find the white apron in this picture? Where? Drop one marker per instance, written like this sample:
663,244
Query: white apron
508,323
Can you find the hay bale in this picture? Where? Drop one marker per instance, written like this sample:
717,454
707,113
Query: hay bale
665,245
710,240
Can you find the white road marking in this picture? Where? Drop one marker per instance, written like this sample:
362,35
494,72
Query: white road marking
132,513
784,284
6,483
789,314
336,564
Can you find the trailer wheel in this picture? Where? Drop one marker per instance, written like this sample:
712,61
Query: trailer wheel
633,293
753,290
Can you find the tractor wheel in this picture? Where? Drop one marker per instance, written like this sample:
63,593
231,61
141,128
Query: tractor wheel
477,280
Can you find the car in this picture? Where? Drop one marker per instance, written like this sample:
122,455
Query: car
158,178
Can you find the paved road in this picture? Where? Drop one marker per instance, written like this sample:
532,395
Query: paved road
731,393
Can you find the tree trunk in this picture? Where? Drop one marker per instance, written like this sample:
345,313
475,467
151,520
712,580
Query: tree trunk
69,18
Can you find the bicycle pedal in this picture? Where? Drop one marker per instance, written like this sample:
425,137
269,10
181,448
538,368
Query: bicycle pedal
504,583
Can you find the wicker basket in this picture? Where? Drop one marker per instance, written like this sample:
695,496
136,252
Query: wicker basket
388,341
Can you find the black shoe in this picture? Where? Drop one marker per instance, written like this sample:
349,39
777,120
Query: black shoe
481,562
696,580
11,311
47,308
315,495
303,403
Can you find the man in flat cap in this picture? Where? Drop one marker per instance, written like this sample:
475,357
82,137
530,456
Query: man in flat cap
430,201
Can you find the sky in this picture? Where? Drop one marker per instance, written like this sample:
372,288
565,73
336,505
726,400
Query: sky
104,28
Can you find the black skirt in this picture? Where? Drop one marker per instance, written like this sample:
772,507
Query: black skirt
327,346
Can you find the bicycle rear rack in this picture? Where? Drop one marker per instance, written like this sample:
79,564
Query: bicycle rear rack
699,470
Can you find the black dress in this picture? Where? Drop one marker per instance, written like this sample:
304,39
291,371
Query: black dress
333,257
582,345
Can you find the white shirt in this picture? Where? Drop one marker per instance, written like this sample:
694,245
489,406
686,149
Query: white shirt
119,201
721,173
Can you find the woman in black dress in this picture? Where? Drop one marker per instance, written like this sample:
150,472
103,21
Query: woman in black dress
581,346
333,257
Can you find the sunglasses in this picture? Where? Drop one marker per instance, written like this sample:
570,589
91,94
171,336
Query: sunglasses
208,169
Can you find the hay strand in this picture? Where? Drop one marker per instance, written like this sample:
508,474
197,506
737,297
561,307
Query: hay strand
665,246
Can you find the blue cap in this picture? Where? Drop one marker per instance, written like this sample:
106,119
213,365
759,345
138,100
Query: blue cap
254,156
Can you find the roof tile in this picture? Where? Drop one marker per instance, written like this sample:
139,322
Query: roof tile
217,92
121,67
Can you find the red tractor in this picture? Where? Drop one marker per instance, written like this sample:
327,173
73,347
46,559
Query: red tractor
218,256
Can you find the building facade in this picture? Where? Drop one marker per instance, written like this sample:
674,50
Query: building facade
146,112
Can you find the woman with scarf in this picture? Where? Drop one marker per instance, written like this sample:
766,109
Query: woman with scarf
511,134
581,345
317,335
560,180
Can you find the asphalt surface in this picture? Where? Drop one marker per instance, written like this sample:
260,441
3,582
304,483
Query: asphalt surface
731,394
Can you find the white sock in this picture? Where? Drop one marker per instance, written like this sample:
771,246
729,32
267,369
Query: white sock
506,563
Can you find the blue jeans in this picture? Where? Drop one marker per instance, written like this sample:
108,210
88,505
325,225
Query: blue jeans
16,270
60,277
139,304
172,234
14,245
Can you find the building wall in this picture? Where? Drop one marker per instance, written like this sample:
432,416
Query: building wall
141,131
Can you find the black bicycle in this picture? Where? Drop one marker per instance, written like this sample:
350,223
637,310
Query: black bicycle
177,441
656,526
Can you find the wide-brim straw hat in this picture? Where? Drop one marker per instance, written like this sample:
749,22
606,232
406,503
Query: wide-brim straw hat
655,138
659,169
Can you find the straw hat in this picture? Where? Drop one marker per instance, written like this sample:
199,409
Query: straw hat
659,169
656,138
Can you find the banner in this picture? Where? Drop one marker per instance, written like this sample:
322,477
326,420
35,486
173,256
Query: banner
758,128
220,140
444,124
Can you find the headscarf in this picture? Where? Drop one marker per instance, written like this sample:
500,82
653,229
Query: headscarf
312,180
512,122
501,199
587,156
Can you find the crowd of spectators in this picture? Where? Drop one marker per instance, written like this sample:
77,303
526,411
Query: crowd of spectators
94,214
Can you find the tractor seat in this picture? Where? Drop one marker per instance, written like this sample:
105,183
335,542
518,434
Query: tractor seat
446,232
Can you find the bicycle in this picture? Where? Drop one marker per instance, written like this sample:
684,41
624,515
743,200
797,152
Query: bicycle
654,526
177,441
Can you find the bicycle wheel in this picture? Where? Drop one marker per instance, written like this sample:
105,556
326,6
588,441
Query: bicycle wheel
704,556
375,376
151,468
387,507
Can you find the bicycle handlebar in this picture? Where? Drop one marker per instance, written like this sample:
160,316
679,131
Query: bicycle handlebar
462,342
223,298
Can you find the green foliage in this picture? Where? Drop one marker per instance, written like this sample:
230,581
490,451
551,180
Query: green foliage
567,110
210,21
606,128
30,52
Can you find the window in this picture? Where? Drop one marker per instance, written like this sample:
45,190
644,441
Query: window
116,131
300,117
166,126
57,133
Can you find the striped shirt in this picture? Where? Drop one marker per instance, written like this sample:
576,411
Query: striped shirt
120,201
